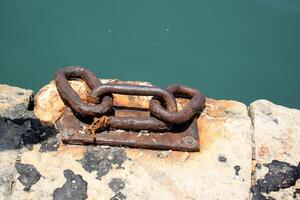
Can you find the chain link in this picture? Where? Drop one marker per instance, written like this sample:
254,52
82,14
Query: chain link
70,97
193,108
163,107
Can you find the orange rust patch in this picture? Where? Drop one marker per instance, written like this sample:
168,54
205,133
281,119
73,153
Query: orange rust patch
207,134
253,172
204,137
217,108
263,150
211,123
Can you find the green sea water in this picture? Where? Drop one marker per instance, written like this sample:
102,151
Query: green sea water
233,49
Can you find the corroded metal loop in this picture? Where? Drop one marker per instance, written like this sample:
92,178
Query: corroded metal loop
194,107
138,123
138,90
72,98
163,107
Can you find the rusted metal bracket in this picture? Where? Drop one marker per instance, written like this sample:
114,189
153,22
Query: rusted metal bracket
97,121
183,137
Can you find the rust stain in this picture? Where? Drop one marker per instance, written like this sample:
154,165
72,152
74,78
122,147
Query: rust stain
208,133
263,151
204,137
253,172
218,108
211,122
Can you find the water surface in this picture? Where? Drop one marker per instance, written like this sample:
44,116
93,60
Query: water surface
242,50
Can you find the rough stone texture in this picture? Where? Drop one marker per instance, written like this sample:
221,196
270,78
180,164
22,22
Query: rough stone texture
116,184
14,102
18,126
237,147
280,177
26,132
102,160
7,172
28,175
225,131
13,108
277,150
75,188
18,129
225,127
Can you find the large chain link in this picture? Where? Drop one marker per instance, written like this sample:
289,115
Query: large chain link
72,98
163,107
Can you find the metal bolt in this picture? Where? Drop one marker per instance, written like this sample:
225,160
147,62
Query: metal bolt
189,140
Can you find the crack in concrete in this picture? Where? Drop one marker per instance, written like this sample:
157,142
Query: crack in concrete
253,163
281,175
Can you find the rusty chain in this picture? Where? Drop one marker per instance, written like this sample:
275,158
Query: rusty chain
162,106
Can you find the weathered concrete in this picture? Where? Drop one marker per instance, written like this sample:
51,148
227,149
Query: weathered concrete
7,172
13,109
148,175
18,129
14,102
237,146
277,150
225,127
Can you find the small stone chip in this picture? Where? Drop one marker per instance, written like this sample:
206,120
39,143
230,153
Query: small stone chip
222,158
258,165
237,168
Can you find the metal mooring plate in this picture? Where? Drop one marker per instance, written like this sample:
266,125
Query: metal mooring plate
180,138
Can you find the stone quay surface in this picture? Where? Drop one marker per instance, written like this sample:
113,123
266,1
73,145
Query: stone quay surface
246,152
